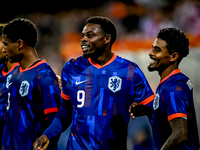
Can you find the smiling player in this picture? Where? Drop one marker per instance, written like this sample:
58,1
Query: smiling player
174,122
97,90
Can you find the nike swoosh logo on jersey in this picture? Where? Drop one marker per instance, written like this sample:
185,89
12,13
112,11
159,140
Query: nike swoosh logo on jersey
77,83
9,84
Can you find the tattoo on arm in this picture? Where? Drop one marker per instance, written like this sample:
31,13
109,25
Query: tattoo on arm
178,136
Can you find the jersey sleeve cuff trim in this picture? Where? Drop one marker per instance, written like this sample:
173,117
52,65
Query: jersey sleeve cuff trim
66,97
51,110
148,100
177,115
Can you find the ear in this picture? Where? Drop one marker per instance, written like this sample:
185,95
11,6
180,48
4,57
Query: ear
174,56
20,44
107,38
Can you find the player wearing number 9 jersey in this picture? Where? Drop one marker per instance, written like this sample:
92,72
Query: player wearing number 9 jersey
97,90
100,96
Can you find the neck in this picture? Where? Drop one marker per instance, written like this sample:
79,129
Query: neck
167,71
9,66
103,58
29,58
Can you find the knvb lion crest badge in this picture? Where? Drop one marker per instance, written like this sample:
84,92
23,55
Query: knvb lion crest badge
156,101
114,83
8,80
24,88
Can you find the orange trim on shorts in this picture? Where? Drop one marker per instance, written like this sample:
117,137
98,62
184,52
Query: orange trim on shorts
148,100
66,97
99,66
177,115
51,110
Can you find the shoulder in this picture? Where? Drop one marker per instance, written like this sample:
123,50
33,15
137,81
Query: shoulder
125,63
177,84
177,79
79,63
44,70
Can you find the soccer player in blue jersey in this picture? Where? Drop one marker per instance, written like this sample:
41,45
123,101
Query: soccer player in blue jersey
6,69
97,90
174,124
34,93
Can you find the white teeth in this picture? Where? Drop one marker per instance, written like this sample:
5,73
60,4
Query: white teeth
152,61
84,47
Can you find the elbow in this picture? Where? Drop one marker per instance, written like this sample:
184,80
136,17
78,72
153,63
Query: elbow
183,136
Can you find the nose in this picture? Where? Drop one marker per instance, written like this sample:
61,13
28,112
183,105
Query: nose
3,50
151,53
83,38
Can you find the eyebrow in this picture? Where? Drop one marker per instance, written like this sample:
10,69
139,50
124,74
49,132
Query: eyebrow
87,32
156,47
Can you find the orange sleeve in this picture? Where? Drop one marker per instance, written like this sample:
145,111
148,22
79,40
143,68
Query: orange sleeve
51,110
177,115
148,100
66,97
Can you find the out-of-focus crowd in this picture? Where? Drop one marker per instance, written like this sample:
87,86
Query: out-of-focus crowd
137,23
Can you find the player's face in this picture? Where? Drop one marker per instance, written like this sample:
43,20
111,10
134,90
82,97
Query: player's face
159,55
2,54
92,41
11,49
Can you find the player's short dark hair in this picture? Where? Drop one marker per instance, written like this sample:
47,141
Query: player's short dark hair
106,25
1,28
176,41
23,29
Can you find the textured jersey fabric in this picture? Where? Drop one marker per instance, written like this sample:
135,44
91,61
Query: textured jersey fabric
4,83
174,99
34,93
100,97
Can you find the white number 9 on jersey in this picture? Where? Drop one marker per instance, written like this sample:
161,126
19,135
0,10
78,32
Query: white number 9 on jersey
80,98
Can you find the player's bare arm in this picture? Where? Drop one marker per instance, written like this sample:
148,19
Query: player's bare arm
41,143
137,110
178,136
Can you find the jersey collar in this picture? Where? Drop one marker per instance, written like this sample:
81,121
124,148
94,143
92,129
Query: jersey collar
171,74
5,73
99,66
40,62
